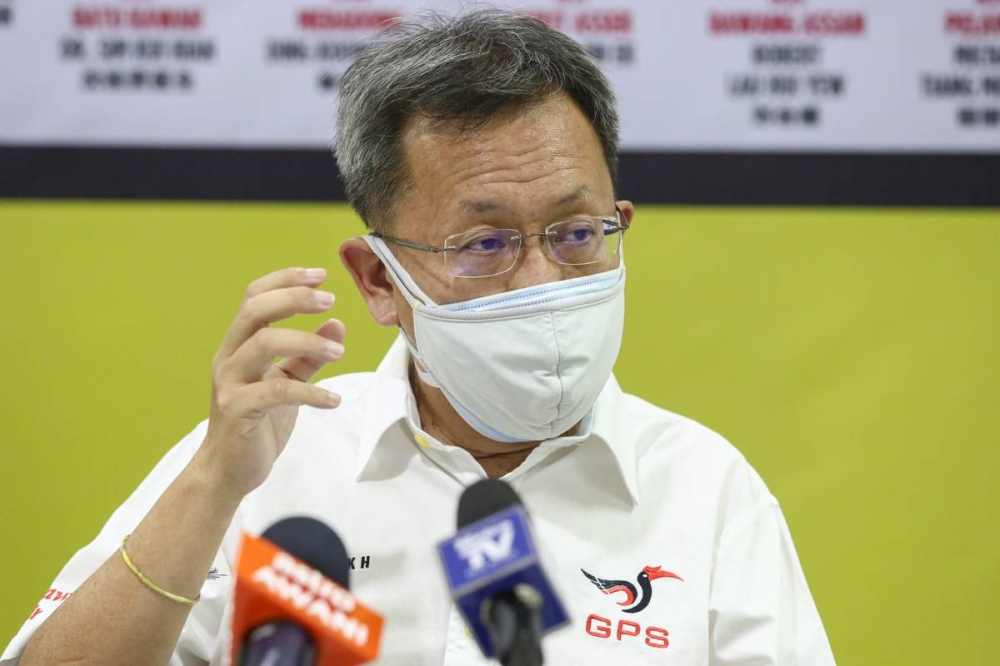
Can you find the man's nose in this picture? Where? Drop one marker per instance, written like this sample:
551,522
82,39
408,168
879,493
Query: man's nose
535,265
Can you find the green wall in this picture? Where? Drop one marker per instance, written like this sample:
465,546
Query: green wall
850,354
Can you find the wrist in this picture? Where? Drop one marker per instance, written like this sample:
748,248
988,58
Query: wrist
202,477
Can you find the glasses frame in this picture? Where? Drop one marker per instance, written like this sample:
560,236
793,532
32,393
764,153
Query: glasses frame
620,222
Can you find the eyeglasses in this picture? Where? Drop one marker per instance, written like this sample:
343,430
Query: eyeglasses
488,252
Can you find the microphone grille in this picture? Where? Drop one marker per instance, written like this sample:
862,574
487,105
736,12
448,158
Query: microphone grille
484,498
313,542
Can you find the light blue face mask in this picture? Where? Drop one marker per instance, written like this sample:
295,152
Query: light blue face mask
523,365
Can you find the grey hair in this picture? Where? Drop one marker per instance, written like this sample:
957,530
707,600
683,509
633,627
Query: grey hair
466,69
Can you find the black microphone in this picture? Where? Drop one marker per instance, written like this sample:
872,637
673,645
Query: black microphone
292,607
495,577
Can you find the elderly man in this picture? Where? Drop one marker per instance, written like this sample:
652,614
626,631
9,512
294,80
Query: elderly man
481,152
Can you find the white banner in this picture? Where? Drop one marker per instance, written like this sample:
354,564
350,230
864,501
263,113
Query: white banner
832,75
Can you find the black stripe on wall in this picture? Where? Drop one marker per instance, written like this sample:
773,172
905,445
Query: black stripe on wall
703,178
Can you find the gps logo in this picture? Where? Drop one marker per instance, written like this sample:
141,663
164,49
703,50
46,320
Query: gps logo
493,543
602,627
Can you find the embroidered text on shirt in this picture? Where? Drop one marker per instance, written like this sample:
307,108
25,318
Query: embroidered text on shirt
366,561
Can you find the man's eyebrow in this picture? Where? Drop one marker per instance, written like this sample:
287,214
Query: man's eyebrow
483,206
494,206
574,196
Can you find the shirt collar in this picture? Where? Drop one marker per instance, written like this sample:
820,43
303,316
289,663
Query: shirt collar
384,411
387,412
610,429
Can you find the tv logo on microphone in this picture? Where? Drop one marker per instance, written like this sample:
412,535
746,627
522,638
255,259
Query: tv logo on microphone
310,591
491,544
487,549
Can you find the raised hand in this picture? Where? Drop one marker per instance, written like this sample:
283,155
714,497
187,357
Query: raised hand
255,400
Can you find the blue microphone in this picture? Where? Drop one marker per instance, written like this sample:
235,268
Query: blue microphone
495,577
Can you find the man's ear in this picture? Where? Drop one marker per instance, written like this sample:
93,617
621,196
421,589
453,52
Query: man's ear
627,209
371,279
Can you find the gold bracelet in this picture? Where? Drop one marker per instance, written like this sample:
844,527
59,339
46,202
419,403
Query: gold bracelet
176,598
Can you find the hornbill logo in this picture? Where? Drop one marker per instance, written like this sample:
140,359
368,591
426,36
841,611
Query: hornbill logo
644,594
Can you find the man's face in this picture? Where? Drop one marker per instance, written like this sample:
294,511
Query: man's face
524,170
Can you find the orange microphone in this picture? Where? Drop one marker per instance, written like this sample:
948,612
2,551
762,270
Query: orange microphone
292,605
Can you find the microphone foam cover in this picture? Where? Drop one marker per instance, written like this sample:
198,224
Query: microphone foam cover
313,542
484,498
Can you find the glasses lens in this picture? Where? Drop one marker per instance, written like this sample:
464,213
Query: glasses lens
583,241
482,253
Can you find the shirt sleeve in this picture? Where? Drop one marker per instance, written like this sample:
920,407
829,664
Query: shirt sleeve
761,611
198,638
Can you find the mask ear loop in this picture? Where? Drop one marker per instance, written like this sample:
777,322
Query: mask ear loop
413,295
621,239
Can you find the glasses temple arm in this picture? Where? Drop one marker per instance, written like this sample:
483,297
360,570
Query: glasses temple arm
410,244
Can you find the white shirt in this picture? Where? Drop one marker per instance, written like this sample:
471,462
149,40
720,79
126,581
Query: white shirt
639,487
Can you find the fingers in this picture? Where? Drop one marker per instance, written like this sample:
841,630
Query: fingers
286,277
258,397
275,297
255,356
304,367
246,382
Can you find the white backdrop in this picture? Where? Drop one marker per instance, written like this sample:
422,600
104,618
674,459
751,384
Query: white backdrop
831,75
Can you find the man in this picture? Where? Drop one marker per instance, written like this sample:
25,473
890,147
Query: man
481,152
